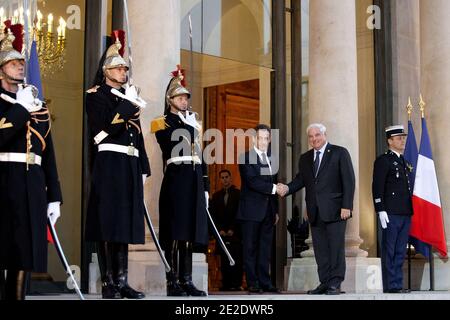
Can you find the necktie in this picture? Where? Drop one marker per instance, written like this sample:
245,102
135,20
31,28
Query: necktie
264,158
316,163
265,161
225,198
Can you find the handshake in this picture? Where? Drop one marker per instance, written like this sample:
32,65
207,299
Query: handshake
282,189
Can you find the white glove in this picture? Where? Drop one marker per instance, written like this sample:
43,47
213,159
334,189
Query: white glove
53,212
383,219
190,120
26,97
132,95
144,178
207,199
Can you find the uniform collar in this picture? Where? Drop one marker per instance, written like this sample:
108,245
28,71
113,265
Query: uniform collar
395,152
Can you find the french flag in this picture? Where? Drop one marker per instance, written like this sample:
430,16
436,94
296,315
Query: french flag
34,78
427,224
411,155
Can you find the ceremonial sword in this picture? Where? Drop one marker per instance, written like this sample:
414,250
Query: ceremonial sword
63,259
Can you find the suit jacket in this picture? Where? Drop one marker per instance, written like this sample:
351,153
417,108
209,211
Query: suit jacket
333,188
256,189
225,215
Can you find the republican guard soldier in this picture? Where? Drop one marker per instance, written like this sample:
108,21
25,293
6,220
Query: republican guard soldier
392,196
184,190
116,209
29,185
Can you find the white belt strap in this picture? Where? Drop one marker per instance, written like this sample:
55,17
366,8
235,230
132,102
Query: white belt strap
194,159
30,158
129,150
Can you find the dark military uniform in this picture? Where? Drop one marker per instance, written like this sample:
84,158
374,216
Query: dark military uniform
116,208
182,198
392,194
25,189
183,219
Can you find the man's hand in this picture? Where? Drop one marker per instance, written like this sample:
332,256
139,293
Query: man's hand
53,212
230,233
277,218
190,120
222,233
345,214
132,95
384,219
282,189
26,97
207,199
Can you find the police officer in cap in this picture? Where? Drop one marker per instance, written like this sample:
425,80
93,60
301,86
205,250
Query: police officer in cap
183,224
116,210
29,186
392,196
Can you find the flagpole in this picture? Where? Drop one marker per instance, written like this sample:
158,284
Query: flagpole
409,109
409,266
27,37
422,105
431,261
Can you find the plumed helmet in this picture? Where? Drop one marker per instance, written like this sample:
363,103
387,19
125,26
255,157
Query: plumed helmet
177,85
12,43
114,54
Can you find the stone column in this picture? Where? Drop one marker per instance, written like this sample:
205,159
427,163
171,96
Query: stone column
334,102
334,88
155,30
435,79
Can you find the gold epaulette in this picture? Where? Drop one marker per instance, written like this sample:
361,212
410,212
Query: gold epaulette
93,90
158,124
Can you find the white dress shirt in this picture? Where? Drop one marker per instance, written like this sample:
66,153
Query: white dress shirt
322,151
259,153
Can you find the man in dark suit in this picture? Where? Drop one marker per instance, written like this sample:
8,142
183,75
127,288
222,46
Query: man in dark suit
258,211
326,172
224,207
392,197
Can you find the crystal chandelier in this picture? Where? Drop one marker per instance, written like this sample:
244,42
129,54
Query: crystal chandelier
50,45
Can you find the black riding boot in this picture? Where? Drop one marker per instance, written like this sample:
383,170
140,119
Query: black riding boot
186,270
121,273
16,285
105,262
173,286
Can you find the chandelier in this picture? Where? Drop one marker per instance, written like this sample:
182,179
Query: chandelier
50,45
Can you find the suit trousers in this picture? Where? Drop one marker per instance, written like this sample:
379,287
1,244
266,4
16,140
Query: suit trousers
257,248
329,250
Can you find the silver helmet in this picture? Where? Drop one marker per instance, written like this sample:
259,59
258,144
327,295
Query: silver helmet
7,51
113,58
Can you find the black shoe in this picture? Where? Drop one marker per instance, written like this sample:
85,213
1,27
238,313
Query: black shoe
333,291
174,290
395,290
191,290
271,289
406,291
255,289
128,292
110,291
321,289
